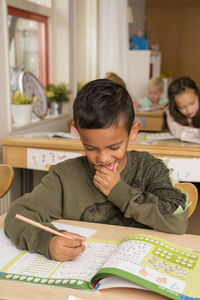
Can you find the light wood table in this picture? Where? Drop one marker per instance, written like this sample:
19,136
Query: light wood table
16,149
23,291
151,120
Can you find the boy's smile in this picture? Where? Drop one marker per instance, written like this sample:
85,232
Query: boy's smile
107,147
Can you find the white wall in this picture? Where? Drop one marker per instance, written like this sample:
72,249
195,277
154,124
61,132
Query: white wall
138,72
113,37
140,62
5,116
60,57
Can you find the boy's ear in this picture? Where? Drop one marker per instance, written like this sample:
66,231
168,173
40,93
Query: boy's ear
134,131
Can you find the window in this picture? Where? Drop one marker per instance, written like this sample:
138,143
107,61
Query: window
47,3
28,44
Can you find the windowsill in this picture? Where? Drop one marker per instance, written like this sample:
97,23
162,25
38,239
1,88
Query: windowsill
37,122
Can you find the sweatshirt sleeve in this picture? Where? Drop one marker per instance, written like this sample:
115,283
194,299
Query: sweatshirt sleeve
43,205
155,203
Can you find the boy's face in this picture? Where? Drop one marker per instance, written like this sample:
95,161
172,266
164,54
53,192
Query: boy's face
107,147
154,94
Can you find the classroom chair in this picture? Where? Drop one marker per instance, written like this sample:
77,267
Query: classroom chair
69,124
192,192
6,178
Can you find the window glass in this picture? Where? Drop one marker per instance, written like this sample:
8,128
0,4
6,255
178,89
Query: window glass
27,45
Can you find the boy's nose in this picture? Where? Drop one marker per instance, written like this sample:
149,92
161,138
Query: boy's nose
103,157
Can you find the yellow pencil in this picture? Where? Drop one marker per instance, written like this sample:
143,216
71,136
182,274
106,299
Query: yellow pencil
34,223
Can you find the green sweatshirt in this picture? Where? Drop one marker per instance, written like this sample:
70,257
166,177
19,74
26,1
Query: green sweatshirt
143,198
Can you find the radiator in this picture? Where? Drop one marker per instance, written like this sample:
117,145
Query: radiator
4,204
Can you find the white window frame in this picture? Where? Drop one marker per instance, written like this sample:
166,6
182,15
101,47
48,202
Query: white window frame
58,70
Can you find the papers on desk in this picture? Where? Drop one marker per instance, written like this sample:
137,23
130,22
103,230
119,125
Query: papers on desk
168,136
146,109
56,134
158,136
184,169
190,140
75,298
7,250
41,159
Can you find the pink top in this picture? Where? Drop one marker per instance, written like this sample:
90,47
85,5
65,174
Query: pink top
73,130
181,131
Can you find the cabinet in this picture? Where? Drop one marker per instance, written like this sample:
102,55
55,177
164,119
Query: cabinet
142,65
175,26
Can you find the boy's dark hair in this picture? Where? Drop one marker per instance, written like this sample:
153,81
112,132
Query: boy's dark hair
177,87
101,103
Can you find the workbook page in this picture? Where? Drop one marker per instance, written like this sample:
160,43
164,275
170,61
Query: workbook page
156,264
35,268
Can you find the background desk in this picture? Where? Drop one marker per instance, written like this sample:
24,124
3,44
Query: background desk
150,121
18,151
15,148
24,291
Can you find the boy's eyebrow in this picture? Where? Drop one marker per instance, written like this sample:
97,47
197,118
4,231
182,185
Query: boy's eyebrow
112,145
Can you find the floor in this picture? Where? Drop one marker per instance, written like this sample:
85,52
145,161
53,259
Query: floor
194,221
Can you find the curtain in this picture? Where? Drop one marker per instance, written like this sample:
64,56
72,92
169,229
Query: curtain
113,37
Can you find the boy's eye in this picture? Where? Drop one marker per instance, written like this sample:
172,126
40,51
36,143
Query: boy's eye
89,148
114,148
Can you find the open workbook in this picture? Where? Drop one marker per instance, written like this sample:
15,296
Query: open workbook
147,109
139,261
159,136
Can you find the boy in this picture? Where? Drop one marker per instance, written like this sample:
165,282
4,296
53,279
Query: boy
108,185
154,98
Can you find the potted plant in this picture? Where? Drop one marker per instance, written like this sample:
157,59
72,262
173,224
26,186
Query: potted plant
56,94
21,108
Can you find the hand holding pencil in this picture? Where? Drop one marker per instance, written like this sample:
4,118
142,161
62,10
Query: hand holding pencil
62,246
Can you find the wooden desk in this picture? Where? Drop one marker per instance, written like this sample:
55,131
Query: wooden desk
24,291
15,151
15,148
150,121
